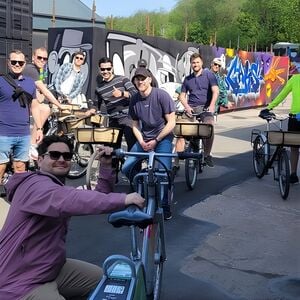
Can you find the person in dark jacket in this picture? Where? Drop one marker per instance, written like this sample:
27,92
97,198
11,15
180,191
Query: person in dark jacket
33,263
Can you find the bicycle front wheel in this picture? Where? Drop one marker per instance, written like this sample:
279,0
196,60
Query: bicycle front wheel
283,173
260,156
80,160
191,170
93,171
154,271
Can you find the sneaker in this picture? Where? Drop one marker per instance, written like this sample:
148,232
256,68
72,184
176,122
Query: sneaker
167,213
294,178
208,161
33,154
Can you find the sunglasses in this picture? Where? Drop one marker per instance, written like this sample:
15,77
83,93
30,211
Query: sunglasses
107,69
19,62
78,57
42,58
216,65
55,155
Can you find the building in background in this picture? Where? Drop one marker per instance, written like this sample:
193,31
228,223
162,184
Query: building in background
60,13
24,23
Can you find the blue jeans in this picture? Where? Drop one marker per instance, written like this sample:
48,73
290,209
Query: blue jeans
19,145
164,146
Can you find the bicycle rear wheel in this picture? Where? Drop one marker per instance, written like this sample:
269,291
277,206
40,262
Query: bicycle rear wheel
283,173
260,156
191,170
92,171
80,160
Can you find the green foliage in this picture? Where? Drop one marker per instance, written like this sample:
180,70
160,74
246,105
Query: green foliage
233,23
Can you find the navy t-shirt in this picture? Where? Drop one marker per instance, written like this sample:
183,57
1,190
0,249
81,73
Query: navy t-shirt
14,119
198,88
150,111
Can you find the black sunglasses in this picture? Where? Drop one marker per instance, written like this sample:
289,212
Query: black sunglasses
42,58
19,62
55,155
216,65
78,57
107,69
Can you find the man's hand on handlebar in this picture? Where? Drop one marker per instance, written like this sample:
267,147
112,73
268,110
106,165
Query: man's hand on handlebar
105,155
135,198
266,114
189,111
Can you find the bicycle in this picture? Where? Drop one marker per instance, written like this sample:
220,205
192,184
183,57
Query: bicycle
269,148
140,276
193,132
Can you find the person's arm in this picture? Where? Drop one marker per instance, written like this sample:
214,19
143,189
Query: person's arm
78,87
282,95
214,98
183,98
35,111
44,90
171,122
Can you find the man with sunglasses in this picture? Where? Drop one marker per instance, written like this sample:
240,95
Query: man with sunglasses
69,80
37,70
33,262
15,115
115,92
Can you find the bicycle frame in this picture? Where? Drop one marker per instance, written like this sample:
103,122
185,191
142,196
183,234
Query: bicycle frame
140,276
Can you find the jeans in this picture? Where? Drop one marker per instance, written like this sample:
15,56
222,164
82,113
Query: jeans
164,146
19,145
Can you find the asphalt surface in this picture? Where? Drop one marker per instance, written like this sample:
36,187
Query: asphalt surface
233,237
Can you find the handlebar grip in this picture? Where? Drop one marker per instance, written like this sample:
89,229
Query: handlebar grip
185,155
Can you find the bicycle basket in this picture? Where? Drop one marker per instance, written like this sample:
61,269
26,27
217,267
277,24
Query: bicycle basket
97,135
69,123
284,138
188,129
98,120
70,109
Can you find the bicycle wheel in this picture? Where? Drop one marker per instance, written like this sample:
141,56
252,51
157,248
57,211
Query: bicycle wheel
191,170
80,160
260,156
155,266
283,173
92,171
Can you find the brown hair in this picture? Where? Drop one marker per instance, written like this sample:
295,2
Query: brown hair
195,55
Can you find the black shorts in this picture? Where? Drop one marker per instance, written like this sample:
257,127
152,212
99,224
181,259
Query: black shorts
293,124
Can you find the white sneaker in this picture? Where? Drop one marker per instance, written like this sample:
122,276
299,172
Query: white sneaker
33,154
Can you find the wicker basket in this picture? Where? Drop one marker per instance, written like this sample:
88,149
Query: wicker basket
98,120
97,135
71,109
286,138
196,129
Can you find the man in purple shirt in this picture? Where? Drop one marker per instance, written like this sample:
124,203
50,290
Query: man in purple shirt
153,113
33,263
199,92
15,115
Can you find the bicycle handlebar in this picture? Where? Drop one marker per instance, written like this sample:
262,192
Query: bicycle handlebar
120,153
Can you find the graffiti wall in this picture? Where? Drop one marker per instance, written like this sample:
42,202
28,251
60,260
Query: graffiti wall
251,78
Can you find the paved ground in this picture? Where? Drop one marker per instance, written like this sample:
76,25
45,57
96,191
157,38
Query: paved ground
241,242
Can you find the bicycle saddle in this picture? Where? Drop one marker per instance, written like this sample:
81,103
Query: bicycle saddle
132,215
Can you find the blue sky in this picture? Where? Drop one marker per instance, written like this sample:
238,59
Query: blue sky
125,8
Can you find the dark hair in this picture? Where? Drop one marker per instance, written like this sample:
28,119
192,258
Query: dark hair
195,55
105,60
48,140
15,51
79,53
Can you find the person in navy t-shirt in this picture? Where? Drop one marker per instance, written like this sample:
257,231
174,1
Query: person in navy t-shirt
14,117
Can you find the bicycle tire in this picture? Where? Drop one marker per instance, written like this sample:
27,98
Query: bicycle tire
191,170
260,155
283,173
92,171
79,162
157,264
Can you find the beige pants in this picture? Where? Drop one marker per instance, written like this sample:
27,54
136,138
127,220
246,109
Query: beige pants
75,281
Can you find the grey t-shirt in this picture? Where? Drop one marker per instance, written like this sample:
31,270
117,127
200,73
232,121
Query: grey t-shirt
32,72
150,111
